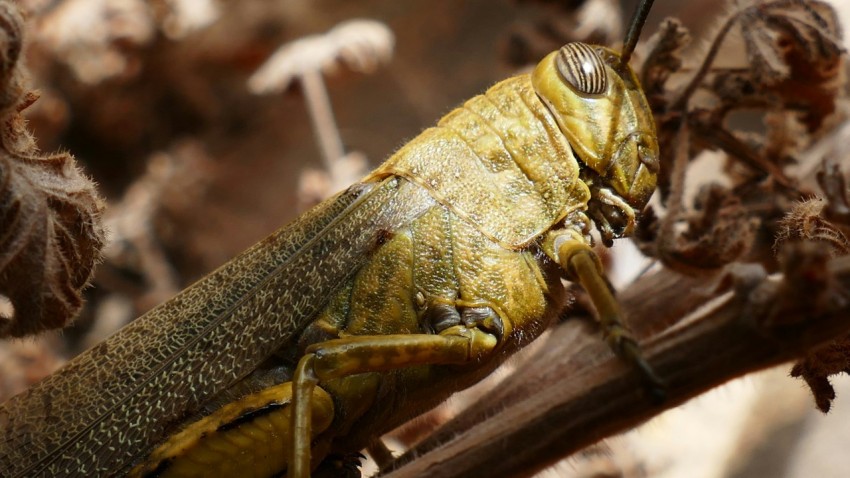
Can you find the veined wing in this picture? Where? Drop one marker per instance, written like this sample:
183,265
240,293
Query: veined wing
107,406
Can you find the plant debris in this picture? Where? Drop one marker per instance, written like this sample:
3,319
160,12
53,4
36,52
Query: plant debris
50,213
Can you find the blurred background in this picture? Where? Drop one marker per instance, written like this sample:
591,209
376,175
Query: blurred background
202,145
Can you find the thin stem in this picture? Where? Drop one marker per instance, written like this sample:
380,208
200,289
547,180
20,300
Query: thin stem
676,202
681,103
322,117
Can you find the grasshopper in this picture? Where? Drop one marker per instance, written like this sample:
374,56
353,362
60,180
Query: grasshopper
373,306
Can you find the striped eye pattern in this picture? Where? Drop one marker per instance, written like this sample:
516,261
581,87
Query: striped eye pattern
581,67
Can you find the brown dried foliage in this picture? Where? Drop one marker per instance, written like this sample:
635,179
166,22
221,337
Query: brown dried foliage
50,231
796,70
825,221
734,222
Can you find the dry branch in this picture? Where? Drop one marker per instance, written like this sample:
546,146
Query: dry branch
577,392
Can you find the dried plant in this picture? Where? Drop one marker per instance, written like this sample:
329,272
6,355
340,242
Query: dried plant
49,212
173,183
823,221
795,78
805,222
362,45
100,39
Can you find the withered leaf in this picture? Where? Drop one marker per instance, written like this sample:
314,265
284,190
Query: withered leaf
664,58
719,233
806,221
819,365
51,240
815,220
50,229
795,52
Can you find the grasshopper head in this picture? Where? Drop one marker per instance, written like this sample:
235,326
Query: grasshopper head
601,109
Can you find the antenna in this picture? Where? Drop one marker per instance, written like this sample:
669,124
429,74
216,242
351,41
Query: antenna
638,19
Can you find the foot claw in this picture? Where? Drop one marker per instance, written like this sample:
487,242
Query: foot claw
629,350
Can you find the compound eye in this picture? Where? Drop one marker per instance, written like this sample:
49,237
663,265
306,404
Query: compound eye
583,68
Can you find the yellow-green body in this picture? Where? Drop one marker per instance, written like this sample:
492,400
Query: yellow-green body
470,215
501,174
473,247
500,162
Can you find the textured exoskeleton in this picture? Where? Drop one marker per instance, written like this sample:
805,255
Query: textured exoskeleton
373,306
